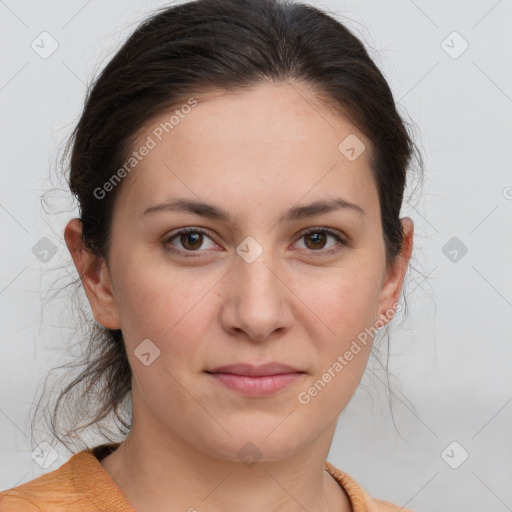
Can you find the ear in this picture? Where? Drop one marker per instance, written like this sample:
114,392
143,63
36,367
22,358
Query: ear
393,280
95,277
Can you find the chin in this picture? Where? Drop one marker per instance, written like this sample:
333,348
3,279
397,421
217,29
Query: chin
268,440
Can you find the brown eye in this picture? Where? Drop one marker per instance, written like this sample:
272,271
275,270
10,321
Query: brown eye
317,240
189,240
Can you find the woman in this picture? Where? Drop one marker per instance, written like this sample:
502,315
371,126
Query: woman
240,169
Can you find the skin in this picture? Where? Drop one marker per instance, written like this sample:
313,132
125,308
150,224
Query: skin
256,154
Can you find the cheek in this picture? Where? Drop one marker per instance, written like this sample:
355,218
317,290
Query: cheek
170,307
347,306
345,303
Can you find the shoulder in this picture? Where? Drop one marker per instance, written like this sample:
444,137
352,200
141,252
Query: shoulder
11,501
360,500
80,484
43,493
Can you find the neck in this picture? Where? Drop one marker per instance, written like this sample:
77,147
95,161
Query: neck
158,473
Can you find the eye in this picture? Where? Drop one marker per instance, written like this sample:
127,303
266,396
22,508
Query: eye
316,239
191,239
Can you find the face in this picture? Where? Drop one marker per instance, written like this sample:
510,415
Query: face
258,278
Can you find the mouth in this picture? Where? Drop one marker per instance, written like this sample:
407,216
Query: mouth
254,370
261,380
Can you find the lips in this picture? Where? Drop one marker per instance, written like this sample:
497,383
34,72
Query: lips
251,370
256,380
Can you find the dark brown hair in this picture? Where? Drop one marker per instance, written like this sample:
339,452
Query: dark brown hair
187,49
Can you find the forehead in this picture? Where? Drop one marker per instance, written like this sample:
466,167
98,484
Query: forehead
264,146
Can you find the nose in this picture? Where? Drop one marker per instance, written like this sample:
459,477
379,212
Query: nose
256,300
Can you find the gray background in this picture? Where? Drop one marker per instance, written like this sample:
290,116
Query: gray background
451,357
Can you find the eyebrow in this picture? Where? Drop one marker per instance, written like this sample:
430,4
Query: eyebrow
210,211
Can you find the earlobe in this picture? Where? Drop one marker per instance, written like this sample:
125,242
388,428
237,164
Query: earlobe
392,286
94,275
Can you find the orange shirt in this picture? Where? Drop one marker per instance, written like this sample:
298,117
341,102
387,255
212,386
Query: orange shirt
82,485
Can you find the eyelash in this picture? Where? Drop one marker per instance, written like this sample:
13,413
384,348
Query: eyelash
341,242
